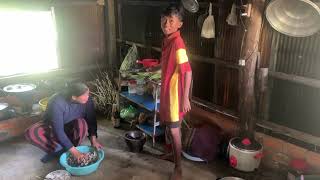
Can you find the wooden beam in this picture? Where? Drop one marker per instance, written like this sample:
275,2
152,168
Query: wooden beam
111,32
213,107
145,3
50,2
138,44
53,73
119,18
163,3
296,79
262,94
249,53
192,56
290,133
214,61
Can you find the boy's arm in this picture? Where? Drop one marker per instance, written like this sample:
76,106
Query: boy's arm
185,69
186,100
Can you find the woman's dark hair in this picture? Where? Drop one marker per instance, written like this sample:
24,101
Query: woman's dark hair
173,9
76,89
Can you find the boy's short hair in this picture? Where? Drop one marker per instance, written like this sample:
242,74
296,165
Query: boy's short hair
173,9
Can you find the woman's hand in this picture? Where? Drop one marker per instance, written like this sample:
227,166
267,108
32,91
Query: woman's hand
95,143
77,154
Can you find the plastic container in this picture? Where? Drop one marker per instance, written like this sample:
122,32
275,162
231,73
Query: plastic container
80,171
43,103
132,87
147,63
140,87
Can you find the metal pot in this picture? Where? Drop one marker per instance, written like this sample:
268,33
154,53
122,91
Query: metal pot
135,140
244,157
24,92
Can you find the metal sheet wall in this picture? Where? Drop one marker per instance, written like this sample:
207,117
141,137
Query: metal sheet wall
292,104
215,84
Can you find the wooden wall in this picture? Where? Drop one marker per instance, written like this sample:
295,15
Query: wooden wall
81,35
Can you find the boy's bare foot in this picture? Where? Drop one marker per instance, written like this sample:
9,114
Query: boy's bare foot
177,174
167,157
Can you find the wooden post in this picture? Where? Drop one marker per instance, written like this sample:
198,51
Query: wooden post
262,94
111,32
249,53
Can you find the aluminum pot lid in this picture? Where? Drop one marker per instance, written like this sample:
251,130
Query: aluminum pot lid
3,106
239,144
58,175
16,88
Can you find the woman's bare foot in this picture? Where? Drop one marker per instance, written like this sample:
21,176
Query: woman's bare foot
177,174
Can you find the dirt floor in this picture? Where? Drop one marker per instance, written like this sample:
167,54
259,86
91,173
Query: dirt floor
20,161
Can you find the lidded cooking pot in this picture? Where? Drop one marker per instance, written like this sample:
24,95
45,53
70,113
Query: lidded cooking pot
24,92
19,88
245,154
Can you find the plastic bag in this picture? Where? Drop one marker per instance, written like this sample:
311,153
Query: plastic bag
232,17
130,59
128,113
208,27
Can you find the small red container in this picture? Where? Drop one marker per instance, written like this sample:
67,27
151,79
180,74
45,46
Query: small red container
147,63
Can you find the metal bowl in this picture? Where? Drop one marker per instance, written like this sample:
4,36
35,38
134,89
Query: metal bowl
135,140
297,18
191,5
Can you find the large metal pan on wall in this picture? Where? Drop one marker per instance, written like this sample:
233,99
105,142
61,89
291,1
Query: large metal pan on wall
190,5
297,18
24,92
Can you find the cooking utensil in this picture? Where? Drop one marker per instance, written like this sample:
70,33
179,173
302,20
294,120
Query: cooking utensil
245,154
135,140
24,92
297,18
190,5
58,175
17,88
208,27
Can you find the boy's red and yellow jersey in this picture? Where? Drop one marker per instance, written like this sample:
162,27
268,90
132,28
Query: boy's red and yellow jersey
174,63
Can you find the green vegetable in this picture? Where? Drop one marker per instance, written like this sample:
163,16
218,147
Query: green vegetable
128,113
156,76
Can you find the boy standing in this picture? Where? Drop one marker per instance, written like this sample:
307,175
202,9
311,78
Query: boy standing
175,82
